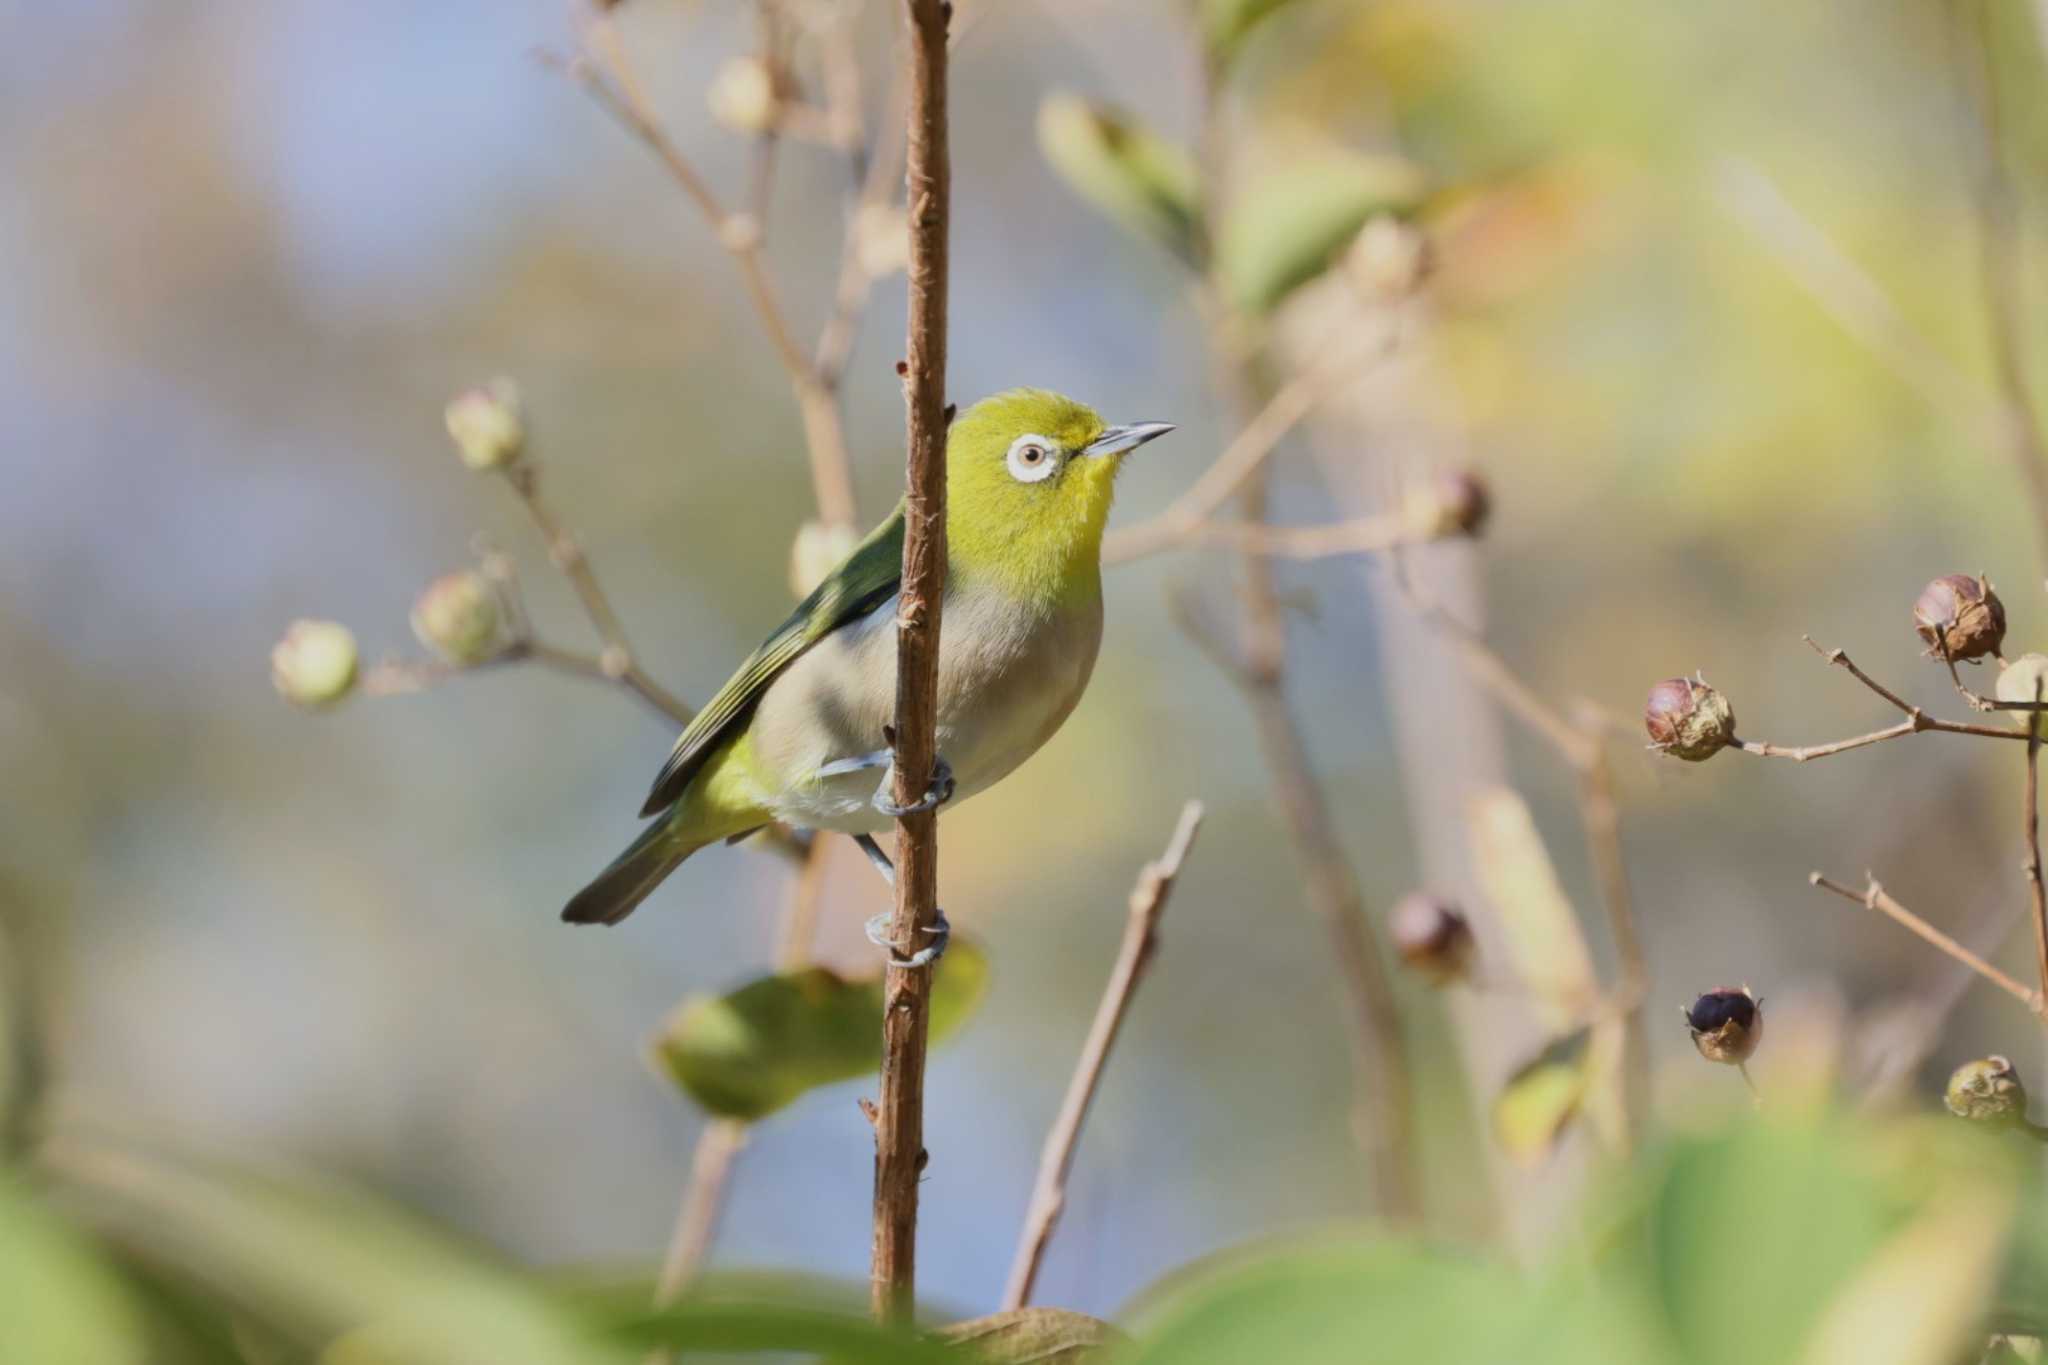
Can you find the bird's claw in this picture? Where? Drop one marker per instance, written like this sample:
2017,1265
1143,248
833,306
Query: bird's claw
937,793
940,930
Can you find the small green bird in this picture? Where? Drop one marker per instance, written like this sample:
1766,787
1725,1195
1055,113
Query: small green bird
797,734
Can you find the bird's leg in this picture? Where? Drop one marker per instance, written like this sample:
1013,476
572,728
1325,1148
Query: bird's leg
936,793
878,927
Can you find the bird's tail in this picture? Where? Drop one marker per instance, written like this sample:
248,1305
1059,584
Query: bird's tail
632,876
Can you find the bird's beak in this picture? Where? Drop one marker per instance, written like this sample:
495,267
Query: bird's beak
1117,440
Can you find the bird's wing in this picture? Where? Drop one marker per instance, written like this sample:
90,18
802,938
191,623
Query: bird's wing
863,581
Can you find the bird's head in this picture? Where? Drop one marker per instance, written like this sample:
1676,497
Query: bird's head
1029,478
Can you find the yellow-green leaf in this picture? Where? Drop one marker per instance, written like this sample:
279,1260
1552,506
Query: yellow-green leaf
1287,224
58,1304
1141,181
1542,1097
1033,1336
1225,23
752,1051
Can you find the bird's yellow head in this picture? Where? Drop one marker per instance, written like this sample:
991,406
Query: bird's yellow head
1029,479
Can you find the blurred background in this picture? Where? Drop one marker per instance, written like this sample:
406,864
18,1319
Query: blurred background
1720,348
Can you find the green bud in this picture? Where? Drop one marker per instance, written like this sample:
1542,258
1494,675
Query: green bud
314,665
457,618
1987,1091
486,425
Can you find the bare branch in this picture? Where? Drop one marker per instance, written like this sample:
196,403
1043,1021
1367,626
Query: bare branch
1049,1197
1874,897
899,1121
1916,720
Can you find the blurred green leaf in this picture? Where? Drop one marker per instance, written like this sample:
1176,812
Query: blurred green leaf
1286,224
1344,1302
1225,23
1821,1242
312,1262
1139,180
748,1053
1541,1099
1033,1336
785,1325
59,1305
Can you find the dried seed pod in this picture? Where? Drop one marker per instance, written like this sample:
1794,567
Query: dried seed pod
1987,1090
314,665
1450,502
1726,1024
1433,938
486,425
1688,719
1960,618
457,618
1388,259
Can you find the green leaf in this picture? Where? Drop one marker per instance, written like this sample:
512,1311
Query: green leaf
1033,1336
312,1262
781,1326
1541,1099
1226,23
1343,1302
59,1304
1139,180
1287,224
749,1053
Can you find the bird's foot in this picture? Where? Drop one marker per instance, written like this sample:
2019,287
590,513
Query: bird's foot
937,793
941,932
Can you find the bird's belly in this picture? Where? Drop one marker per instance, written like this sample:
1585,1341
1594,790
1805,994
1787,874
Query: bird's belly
1005,687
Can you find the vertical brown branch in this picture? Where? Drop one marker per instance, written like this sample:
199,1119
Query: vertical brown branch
2031,816
1141,935
899,1119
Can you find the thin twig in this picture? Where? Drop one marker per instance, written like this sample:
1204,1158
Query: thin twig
567,555
1373,534
740,234
899,1117
718,1147
1187,518
1916,720
2030,814
1875,897
1141,931
1578,743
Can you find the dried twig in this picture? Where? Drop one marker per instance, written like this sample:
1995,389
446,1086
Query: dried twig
718,1147
1875,897
1049,1196
2030,814
1916,720
899,1119
1188,518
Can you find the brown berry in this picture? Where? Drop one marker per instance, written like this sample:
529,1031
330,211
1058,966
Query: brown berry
1726,1024
1688,719
1449,502
1988,1091
1433,938
1960,618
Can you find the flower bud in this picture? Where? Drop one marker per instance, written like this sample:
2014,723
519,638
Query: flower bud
1688,719
820,548
486,425
1433,938
881,240
1450,502
743,96
1388,259
1960,618
457,618
314,665
1987,1090
1726,1025
2025,679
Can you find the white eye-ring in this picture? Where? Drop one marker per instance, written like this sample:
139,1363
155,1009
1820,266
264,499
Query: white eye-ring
1033,458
